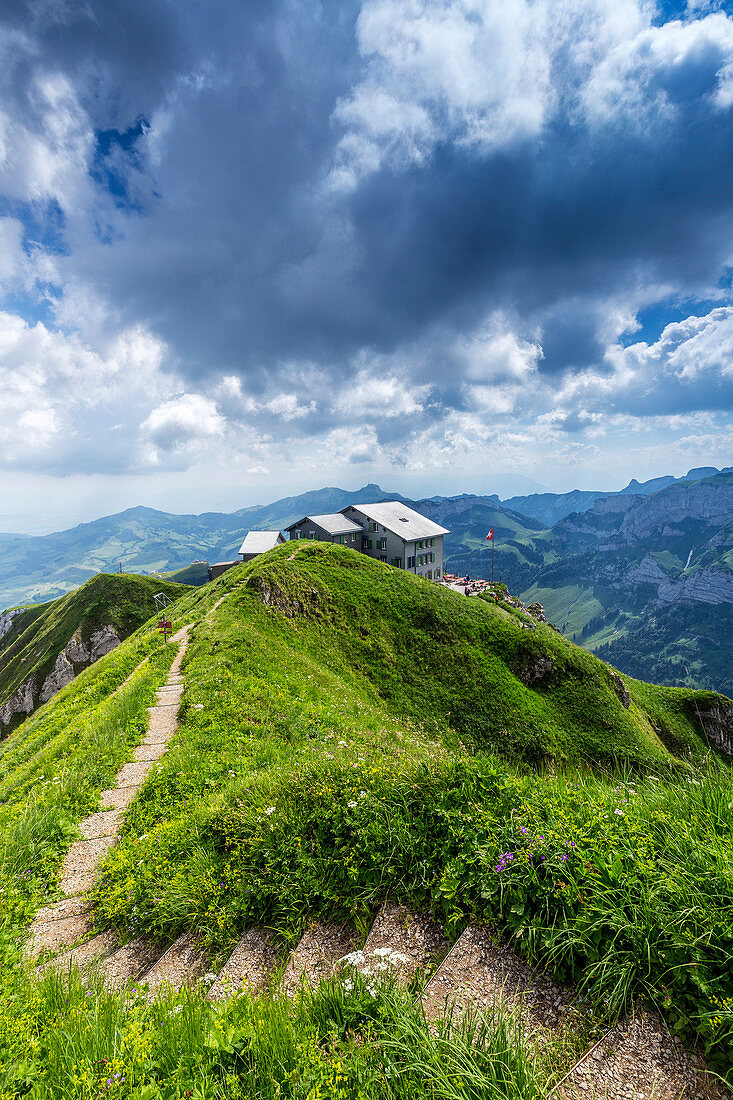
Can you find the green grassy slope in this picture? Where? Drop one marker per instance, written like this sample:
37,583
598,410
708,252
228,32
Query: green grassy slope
40,632
350,733
501,682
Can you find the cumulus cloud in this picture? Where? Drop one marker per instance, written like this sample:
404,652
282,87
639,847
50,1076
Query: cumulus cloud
182,423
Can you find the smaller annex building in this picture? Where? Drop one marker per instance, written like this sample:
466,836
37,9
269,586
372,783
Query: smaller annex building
330,527
259,542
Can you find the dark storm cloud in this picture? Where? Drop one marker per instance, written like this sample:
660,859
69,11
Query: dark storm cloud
217,126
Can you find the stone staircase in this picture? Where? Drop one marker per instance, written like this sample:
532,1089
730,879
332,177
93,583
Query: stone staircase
636,1060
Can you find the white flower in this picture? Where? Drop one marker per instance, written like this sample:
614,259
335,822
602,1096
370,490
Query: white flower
198,706
210,977
619,812
270,810
177,1010
354,958
351,804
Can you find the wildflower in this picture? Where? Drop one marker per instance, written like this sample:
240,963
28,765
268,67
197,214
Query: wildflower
351,804
270,810
619,812
523,830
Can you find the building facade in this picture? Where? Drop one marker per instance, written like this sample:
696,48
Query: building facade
400,536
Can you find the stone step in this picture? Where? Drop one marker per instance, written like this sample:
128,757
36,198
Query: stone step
182,964
61,910
400,944
119,798
131,775
249,967
52,935
149,751
82,956
639,1060
129,962
82,861
485,975
317,955
107,823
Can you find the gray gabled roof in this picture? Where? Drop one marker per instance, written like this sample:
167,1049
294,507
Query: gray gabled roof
259,542
333,522
400,519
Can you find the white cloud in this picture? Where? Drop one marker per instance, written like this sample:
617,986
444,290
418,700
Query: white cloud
380,396
182,423
496,353
645,75
489,73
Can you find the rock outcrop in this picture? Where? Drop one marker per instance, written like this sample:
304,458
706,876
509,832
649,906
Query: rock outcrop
21,701
73,658
711,504
6,620
717,721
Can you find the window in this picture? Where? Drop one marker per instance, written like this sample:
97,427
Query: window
353,538
341,539
411,563
431,558
372,525
437,574
383,558
397,562
382,544
366,544
311,534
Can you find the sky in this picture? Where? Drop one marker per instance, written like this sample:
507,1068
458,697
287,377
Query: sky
444,245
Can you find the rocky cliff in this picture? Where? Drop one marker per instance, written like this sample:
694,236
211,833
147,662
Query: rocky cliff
44,646
708,502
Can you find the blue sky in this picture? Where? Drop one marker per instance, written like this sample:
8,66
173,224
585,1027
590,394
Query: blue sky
447,245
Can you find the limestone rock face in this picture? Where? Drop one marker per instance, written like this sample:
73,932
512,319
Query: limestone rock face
713,504
103,641
61,674
75,657
20,702
717,721
76,651
6,620
621,690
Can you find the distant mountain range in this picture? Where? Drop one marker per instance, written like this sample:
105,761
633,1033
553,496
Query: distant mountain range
642,576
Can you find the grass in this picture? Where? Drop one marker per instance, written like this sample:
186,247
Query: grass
350,733
74,1041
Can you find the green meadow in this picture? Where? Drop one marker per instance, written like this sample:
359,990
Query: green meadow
348,734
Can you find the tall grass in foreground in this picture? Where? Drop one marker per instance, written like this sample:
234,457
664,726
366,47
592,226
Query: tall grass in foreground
65,1037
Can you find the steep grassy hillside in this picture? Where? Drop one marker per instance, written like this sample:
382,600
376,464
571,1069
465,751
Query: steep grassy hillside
351,733
46,644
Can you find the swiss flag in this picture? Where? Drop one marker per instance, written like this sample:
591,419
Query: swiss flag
490,535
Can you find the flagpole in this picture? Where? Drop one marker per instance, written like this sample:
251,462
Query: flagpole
492,560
